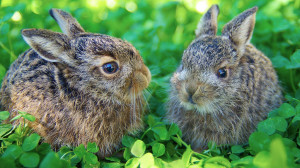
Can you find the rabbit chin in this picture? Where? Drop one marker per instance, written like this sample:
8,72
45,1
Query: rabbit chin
204,108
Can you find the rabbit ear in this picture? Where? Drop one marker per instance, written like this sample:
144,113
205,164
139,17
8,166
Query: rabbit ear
49,45
208,24
66,22
240,29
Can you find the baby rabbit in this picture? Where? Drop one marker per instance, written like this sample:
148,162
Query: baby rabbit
81,87
224,85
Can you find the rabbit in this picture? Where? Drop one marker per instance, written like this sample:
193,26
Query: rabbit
224,86
81,87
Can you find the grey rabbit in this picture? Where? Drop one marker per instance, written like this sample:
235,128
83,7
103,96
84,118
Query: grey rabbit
81,87
224,86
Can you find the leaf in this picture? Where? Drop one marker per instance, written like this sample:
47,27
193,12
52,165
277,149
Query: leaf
161,131
296,152
278,154
195,160
213,148
12,152
280,61
92,147
295,119
4,128
7,16
177,140
259,141
296,56
219,160
4,115
267,126
262,159
170,148
44,148
113,159
75,160
14,137
2,70
128,141
7,163
298,139
186,157
298,106
295,60
52,161
111,165
18,130
237,149
234,157
29,117
126,153
80,151
273,113
132,163
297,94
243,161
174,129
138,149
31,142
286,110
30,159
280,24
63,150
91,159
174,164
147,161
158,162
280,123
288,143
4,29
158,149
151,121
16,117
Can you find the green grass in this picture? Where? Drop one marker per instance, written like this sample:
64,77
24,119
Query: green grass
161,30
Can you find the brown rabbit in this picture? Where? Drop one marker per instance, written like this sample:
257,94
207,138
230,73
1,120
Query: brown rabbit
81,87
224,85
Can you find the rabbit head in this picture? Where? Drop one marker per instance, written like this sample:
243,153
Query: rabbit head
209,72
105,66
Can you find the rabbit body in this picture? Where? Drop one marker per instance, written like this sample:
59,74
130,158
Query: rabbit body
81,87
224,85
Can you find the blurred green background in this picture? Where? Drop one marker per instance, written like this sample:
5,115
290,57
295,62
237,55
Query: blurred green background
160,30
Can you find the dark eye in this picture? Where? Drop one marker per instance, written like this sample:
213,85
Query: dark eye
110,67
222,73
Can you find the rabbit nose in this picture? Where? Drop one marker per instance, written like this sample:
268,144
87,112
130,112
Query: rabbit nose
190,93
190,99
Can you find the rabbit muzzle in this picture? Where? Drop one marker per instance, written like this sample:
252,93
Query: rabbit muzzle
195,95
141,80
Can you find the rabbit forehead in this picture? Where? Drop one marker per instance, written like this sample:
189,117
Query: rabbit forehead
208,76
209,51
98,44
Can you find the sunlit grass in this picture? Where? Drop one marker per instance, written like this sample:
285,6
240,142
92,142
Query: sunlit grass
17,16
131,6
202,6
111,4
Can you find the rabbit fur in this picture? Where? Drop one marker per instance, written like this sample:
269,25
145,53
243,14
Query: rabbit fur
67,81
224,86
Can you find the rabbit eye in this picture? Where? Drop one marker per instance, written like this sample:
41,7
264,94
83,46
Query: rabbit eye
110,67
222,73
